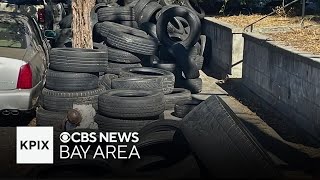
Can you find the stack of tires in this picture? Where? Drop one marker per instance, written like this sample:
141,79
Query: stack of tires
72,78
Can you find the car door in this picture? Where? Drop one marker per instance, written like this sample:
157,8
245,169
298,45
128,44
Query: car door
42,40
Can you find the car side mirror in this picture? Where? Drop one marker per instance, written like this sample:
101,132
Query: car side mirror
49,34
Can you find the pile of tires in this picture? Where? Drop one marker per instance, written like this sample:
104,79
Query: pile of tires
72,78
153,34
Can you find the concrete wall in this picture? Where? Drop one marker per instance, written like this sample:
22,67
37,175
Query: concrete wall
224,49
287,79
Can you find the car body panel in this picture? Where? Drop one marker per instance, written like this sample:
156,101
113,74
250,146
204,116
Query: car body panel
35,53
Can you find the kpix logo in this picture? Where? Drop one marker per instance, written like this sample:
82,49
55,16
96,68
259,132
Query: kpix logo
34,145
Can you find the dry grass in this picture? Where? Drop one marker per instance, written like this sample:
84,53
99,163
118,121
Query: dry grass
305,39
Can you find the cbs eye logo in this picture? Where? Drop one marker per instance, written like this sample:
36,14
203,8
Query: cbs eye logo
65,137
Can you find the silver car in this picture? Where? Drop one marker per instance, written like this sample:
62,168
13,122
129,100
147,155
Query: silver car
23,62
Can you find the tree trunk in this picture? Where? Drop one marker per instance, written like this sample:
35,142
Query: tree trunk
81,23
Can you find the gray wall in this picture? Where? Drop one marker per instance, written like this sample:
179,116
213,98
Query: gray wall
225,43
289,80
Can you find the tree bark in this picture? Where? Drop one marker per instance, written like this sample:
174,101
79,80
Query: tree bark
81,23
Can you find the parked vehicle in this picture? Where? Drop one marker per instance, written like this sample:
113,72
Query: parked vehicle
23,62
41,10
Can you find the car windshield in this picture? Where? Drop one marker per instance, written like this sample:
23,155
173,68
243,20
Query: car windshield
12,34
23,2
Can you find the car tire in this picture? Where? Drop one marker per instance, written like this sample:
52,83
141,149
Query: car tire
225,143
193,85
167,77
115,68
106,80
150,29
70,81
175,25
131,104
144,83
123,13
109,124
132,24
148,13
78,60
140,5
103,28
193,21
50,118
187,65
178,94
63,101
182,108
145,45
120,56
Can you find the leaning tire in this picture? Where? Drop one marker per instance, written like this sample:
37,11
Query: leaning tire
145,83
167,78
49,118
148,13
194,85
193,21
115,14
225,143
78,60
178,94
131,104
140,5
63,101
108,124
69,81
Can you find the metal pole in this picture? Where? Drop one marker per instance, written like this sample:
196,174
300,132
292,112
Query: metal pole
303,12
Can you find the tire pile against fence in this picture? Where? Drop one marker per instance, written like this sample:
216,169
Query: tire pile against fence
146,59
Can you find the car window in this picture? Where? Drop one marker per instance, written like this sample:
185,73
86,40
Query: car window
13,34
23,2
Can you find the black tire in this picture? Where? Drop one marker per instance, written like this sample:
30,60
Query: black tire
140,5
49,118
103,28
115,68
131,104
150,29
148,13
120,56
187,65
225,143
106,80
166,66
64,36
193,85
66,22
203,41
108,124
132,24
69,81
178,94
182,108
166,2
199,61
78,60
145,83
101,47
63,101
193,21
145,45
167,77
115,14
175,25
195,7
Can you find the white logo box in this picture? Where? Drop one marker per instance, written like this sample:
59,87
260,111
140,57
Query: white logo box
34,145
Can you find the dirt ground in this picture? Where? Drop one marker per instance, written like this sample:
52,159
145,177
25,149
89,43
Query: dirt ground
304,38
